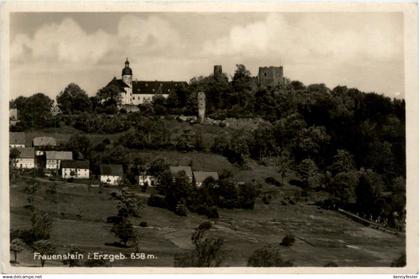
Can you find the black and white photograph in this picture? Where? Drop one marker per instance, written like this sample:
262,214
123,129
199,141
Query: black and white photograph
208,139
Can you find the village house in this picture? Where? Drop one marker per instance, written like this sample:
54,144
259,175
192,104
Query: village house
175,170
54,158
111,174
200,176
41,143
75,169
17,140
25,159
146,179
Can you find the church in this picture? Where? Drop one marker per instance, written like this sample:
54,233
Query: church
135,92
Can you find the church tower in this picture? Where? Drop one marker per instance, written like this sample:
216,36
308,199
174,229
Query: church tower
127,74
127,78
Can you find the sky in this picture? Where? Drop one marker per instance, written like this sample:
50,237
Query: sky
50,50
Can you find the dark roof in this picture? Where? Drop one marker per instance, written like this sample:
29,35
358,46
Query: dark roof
17,138
116,170
156,87
127,71
44,141
149,87
59,155
26,152
175,170
73,164
118,83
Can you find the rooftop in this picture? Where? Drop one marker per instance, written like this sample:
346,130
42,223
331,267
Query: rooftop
44,141
17,138
59,155
176,169
73,164
26,153
115,170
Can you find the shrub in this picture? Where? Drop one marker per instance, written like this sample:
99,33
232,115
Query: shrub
288,240
143,224
114,219
157,201
181,210
266,199
271,180
268,256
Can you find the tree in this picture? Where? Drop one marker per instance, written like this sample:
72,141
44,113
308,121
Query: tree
109,99
73,99
342,162
43,247
344,185
208,252
247,193
80,144
368,192
186,141
36,111
124,231
41,225
283,163
307,170
16,246
268,256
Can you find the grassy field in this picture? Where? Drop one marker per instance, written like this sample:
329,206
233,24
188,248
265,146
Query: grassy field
79,216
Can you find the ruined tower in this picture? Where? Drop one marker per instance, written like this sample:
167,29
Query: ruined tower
270,76
201,103
217,71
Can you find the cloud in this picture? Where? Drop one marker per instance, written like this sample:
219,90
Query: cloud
68,42
308,38
63,42
148,34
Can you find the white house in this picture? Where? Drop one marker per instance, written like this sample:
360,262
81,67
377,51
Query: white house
175,170
200,176
54,158
17,140
75,169
25,159
146,179
111,174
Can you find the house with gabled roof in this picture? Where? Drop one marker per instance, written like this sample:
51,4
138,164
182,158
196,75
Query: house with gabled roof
75,169
111,174
17,139
25,159
200,176
54,158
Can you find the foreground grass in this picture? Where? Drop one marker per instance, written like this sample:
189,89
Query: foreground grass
79,219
